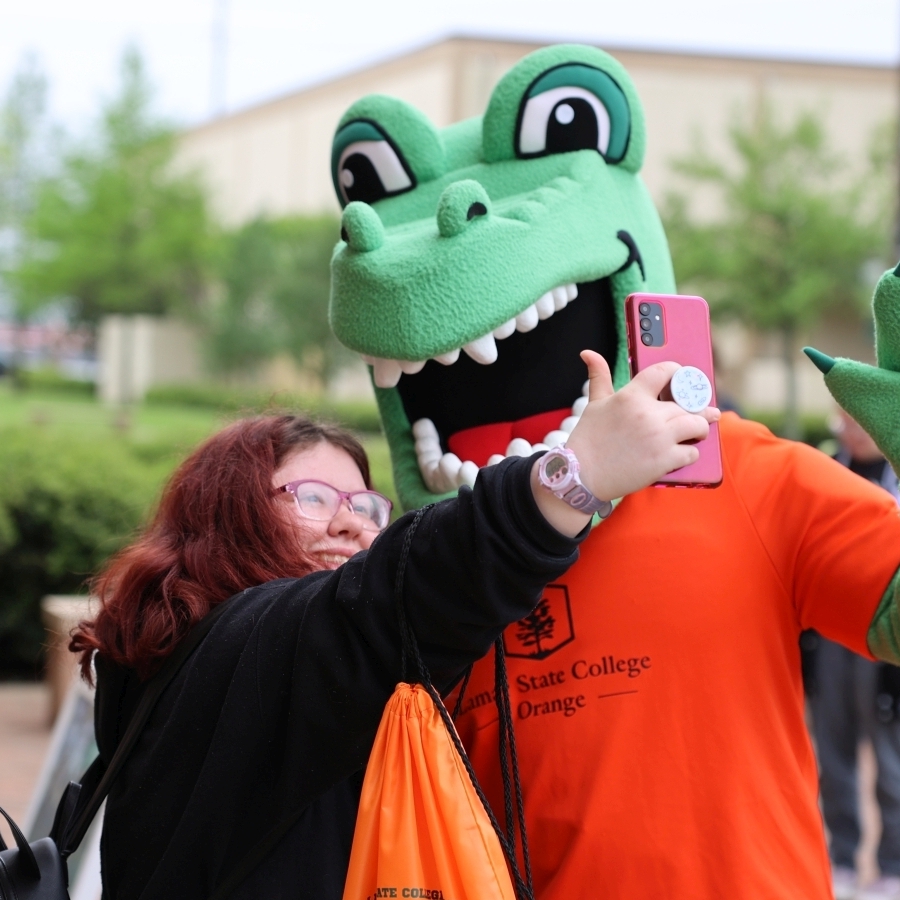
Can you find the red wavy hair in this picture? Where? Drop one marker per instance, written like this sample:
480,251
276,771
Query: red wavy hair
216,532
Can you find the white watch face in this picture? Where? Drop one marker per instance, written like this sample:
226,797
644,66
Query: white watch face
691,389
557,472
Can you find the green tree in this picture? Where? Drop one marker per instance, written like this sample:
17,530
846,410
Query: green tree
23,137
24,141
118,230
794,238
274,299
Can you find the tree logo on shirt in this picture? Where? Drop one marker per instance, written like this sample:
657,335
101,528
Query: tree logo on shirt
547,628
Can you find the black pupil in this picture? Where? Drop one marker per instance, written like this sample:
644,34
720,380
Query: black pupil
367,186
572,126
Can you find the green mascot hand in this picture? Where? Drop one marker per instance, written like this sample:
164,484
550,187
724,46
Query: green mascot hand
871,394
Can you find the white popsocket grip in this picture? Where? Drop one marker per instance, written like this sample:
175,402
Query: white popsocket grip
691,389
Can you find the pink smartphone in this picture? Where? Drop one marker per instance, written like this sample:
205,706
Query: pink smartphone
665,327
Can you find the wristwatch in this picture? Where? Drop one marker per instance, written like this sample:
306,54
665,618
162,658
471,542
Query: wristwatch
558,472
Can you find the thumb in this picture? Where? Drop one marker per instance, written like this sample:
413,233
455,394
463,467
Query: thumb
600,385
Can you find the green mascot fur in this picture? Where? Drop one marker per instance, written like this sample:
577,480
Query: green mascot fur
480,232
656,688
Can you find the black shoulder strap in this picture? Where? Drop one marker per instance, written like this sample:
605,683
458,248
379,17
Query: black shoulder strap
76,831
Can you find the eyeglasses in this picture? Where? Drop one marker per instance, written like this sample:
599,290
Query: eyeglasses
320,501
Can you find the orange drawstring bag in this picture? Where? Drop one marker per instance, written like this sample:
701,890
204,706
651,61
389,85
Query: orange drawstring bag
424,829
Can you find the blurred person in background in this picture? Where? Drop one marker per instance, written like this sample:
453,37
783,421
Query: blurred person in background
852,698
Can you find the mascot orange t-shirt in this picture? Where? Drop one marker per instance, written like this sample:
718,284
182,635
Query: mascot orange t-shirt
656,690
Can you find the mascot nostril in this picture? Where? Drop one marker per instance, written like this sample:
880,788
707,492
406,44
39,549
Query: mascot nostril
459,204
361,227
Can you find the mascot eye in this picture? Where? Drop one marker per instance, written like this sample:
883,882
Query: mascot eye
564,119
370,171
574,107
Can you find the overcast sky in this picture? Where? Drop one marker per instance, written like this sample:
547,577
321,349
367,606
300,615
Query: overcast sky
275,46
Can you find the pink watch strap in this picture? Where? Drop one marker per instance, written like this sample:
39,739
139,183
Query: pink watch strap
576,495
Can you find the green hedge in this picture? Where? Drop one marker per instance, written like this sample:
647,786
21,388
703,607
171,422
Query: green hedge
66,503
357,415
51,381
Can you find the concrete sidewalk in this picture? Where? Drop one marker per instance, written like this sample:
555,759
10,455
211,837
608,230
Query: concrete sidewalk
24,737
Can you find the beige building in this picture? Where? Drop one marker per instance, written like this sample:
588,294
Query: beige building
275,158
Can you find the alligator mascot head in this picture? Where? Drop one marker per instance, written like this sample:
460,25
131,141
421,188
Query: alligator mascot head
477,261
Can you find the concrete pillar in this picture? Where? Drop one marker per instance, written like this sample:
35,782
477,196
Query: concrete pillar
60,615
137,352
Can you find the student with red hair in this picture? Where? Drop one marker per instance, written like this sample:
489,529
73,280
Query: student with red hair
259,744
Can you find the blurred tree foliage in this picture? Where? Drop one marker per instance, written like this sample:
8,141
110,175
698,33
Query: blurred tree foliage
117,230
26,142
274,295
796,234
24,139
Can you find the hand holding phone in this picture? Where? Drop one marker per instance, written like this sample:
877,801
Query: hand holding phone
668,327
624,440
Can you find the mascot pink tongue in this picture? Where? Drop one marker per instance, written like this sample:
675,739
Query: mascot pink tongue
481,442
655,689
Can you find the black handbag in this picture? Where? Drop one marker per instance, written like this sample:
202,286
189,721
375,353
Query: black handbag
37,870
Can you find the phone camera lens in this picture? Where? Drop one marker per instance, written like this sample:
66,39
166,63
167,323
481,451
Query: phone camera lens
645,324
647,338
644,309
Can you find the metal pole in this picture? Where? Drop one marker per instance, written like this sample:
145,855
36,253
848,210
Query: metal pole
219,61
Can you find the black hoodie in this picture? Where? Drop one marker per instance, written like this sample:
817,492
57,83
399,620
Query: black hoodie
270,722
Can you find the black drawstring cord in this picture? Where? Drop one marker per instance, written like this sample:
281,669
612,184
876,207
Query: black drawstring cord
501,682
410,651
457,707
501,699
408,646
